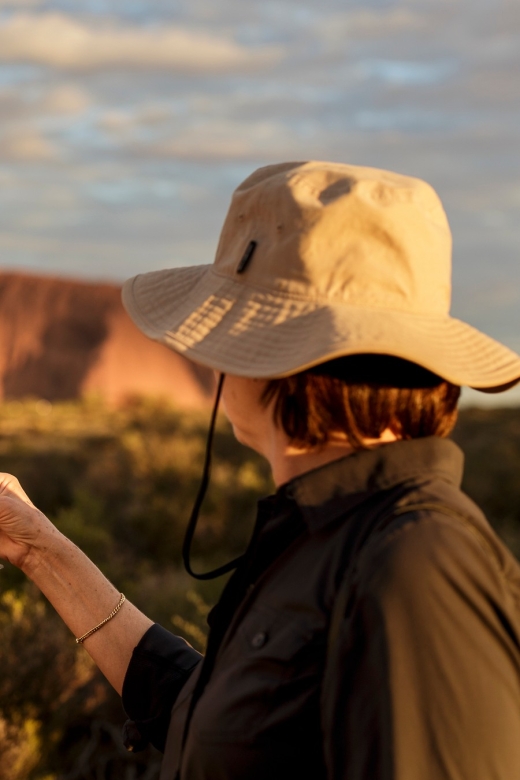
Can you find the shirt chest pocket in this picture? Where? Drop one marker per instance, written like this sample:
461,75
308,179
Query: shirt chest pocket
268,676
277,645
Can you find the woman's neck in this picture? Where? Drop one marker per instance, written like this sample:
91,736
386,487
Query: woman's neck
288,461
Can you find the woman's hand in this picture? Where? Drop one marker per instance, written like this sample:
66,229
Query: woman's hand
23,528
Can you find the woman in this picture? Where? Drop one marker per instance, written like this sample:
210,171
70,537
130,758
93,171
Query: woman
371,630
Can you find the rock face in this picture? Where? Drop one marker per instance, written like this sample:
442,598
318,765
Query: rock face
63,339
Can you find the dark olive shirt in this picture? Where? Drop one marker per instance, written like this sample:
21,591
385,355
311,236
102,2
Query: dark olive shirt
420,679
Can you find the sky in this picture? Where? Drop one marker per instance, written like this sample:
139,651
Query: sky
125,125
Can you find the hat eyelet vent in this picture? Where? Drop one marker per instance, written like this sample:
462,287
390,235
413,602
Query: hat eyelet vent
246,257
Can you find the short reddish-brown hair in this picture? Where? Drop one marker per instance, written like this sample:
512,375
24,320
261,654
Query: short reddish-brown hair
361,396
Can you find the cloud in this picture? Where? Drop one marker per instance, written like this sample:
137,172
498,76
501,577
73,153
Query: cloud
26,145
17,4
150,115
60,41
233,140
336,28
67,99
366,22
11,106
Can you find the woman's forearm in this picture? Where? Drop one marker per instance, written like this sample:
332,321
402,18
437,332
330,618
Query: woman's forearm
83,597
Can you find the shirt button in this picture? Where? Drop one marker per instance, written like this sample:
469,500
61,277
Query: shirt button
259,640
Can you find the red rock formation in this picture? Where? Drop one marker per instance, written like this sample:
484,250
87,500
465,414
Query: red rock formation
63,339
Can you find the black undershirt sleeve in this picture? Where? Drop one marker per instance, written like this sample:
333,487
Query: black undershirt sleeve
160,665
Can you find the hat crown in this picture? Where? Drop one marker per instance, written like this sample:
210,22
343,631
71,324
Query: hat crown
340,233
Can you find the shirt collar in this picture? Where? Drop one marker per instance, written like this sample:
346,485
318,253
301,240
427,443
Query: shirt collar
325,493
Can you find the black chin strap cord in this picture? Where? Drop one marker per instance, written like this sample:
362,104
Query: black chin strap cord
192,523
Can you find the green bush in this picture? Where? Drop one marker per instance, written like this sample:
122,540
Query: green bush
120,484
490,439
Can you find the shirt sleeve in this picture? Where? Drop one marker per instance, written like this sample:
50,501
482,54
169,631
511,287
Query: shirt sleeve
160,665
422,678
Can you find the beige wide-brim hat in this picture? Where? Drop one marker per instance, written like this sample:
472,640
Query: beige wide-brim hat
319,260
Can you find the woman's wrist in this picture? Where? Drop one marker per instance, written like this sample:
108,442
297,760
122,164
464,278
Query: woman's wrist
49,547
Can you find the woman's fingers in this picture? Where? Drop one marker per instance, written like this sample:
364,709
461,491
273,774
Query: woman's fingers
18,519
9,485
21,523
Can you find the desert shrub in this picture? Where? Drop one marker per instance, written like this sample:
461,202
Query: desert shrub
490,439
119,483
58,718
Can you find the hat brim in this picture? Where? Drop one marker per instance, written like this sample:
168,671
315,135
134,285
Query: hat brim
236,329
